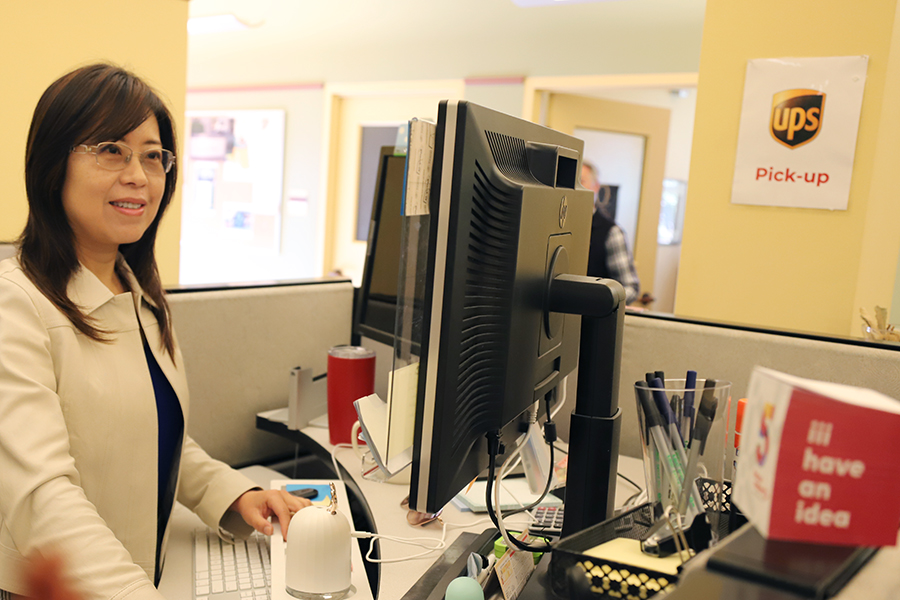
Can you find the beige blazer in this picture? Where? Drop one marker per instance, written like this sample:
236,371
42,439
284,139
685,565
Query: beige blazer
79,439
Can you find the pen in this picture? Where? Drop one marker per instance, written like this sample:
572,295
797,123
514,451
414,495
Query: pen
675,405
690,383
668,457
659,395
705,415
651,466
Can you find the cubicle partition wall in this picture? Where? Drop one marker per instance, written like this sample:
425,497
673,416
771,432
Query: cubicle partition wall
722,351
239,345
7,249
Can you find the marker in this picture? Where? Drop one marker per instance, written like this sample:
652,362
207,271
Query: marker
738,425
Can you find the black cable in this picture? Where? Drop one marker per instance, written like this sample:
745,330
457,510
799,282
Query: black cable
493,450
549,429
492,513
639,488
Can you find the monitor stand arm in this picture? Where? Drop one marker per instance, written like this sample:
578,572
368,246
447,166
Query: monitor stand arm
596,420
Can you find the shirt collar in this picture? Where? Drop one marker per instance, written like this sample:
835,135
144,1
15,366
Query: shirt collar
89,293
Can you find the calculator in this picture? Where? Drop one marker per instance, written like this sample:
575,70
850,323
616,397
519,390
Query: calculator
548,521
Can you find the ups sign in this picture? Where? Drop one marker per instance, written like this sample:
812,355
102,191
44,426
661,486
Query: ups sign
796,116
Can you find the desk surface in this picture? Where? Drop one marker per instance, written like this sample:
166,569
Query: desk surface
390,518
384,501
880,579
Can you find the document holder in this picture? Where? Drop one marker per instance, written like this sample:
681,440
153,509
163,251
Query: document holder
809,570
450,565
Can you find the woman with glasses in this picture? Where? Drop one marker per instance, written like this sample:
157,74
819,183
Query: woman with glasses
93,396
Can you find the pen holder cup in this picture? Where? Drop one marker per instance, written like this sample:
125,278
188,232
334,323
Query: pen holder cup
685,437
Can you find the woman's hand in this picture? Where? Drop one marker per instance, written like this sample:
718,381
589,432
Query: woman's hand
256,506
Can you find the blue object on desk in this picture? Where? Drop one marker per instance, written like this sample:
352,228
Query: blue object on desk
322,498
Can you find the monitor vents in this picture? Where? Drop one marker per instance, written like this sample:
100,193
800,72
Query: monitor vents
510,157
490,273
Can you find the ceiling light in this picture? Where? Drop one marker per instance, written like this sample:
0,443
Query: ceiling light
215,24
527,3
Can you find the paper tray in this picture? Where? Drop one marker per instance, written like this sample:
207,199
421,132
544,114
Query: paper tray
574,574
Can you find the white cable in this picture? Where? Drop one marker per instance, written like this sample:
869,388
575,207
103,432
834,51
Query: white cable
441,544
337,469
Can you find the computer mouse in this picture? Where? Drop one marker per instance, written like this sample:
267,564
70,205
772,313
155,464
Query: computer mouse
317,560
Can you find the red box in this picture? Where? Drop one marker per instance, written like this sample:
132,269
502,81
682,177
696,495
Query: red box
819,462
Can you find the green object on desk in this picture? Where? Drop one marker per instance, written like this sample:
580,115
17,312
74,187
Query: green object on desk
464,588
500,547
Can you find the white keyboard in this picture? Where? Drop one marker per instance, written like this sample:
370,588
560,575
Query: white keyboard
225,571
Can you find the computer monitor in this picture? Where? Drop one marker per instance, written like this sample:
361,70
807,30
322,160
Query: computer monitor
508,219
377,301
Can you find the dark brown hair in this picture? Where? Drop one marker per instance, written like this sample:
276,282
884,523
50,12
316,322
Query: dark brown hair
96,103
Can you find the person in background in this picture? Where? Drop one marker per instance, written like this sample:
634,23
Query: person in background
609,256
93,396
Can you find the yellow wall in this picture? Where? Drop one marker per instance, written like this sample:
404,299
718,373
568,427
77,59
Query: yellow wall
42,39
782,267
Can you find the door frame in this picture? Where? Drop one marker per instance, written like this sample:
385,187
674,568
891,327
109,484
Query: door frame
544,97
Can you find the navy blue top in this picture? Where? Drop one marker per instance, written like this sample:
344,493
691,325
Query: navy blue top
171,430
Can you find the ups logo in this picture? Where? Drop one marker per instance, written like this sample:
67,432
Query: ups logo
796,116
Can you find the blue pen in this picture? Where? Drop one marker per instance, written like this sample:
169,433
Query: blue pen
657,387
690,383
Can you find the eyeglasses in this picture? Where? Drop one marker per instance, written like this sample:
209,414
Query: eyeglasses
114,156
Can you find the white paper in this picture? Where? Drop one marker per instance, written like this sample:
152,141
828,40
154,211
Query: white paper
401,414
798,130
418,167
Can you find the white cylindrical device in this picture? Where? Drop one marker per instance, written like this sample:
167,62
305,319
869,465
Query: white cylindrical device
317,564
